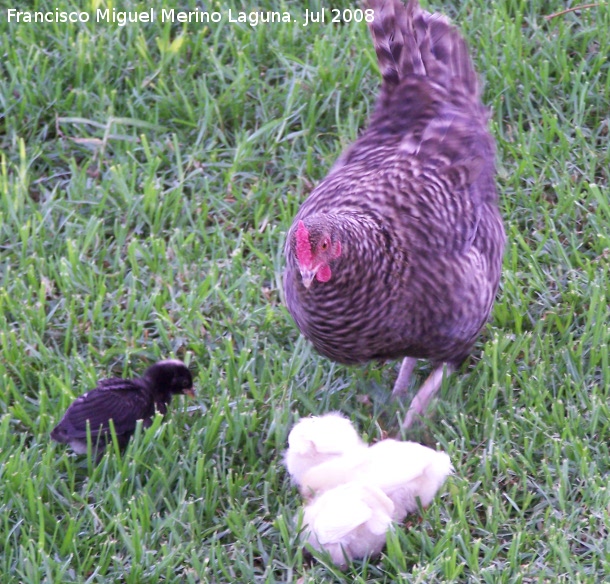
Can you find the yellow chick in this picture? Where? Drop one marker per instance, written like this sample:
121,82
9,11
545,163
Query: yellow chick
354,492
319,439
404,471
349,521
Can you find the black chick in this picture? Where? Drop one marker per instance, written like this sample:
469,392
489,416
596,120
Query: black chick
124,401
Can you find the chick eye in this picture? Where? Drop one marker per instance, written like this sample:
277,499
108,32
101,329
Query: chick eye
185,383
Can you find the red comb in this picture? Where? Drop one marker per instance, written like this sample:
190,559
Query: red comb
304,255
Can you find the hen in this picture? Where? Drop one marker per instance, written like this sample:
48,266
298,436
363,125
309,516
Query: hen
124,401
397,253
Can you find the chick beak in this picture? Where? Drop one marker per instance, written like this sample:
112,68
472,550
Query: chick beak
190,392
307,276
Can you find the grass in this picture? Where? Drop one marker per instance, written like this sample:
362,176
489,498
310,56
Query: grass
148,174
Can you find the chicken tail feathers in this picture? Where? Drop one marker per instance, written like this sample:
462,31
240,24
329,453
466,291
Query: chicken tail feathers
410,41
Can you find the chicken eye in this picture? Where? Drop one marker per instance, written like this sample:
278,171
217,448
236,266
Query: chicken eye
324,245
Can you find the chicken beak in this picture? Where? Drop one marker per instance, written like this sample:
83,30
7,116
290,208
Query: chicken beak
307,277
190,392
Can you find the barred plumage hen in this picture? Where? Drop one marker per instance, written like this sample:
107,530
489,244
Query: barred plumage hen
398,251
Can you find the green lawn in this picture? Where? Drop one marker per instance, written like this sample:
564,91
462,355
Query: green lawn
148,174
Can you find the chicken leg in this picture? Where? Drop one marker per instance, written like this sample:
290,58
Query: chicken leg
427,391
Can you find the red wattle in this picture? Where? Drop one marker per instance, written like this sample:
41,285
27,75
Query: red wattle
323,274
